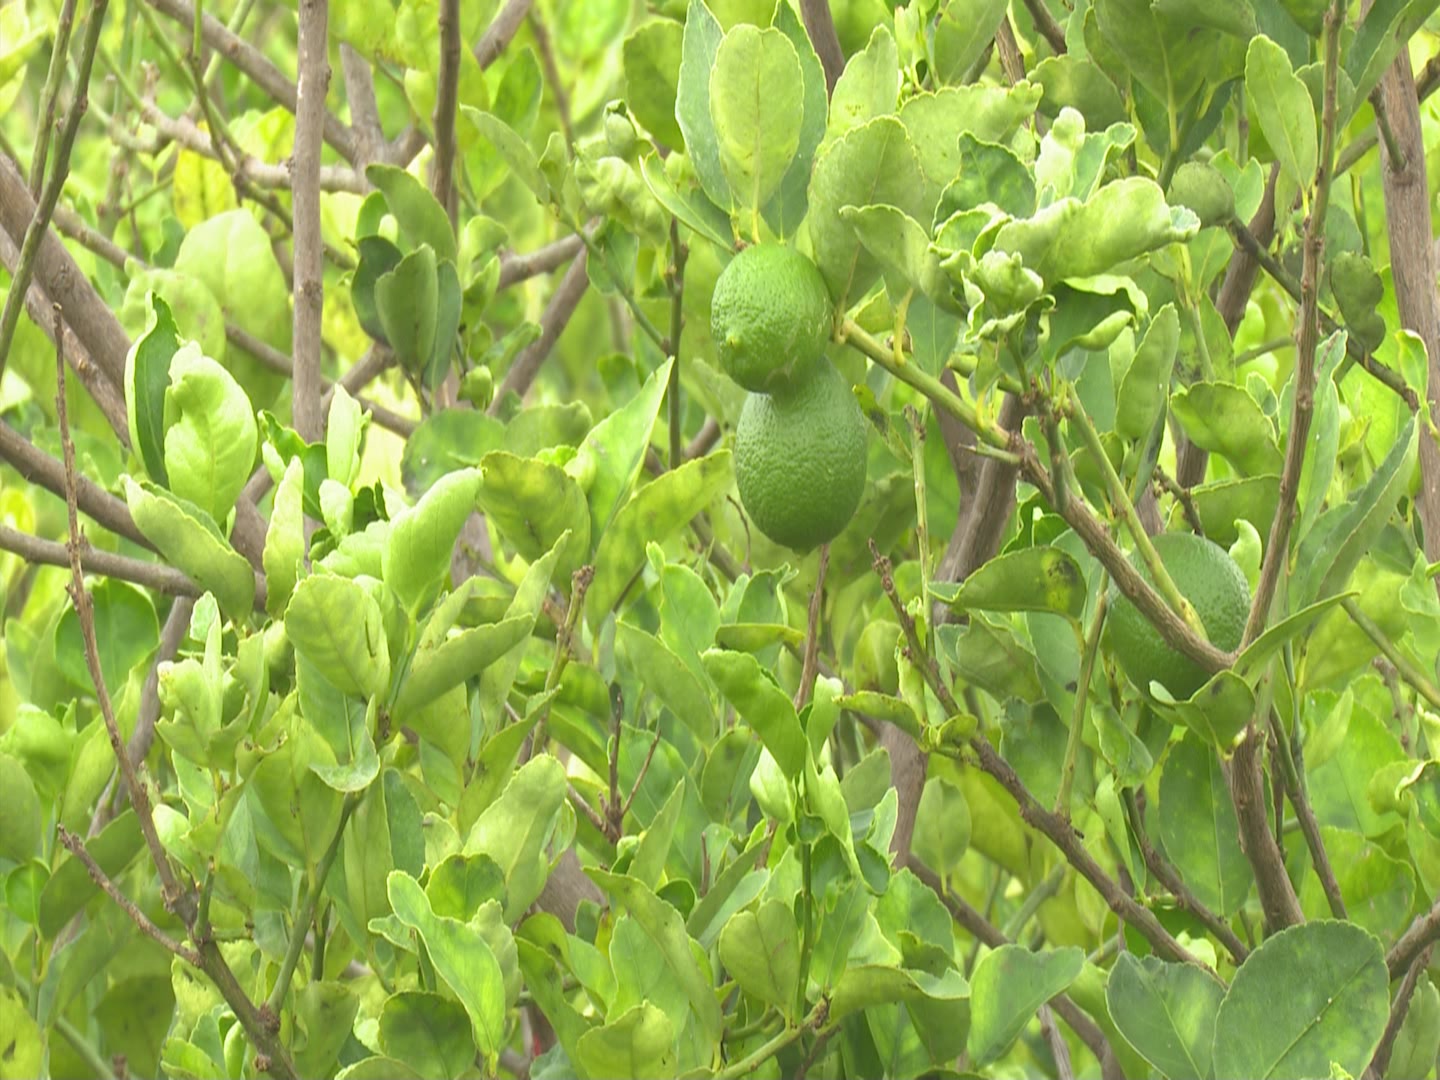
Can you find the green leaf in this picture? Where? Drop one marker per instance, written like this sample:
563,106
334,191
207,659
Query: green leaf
658,668
1079,83
378,257
653,514
989,172
662,922
514,829
1224,419
23,1051
961,34
1282,107
1344,534
700,43
325,1012
761,949
421,218
936,121
652,75
1167,1012
20,827
534,504
428,1031
786,209
871,165
408,301
1385,30
1311,997
147,376
461,957
756,102
638,1043
1121,221
868,87
1379,890
210,433
902,248
1146,386
336,624
70,887
1009,984
761,704
1198,827
866,986
126,633
615,448
1031,579
436,669
1162,56
190,542
284,557
513,149
692,208
417,552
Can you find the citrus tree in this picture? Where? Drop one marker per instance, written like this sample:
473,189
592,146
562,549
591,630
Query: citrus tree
718,538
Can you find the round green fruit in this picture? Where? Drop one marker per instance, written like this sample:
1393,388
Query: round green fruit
1214,584
771,317
800,459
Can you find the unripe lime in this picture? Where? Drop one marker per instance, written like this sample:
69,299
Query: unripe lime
800,459
1214,584
771,317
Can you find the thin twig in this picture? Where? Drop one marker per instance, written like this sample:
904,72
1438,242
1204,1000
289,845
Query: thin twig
809,666
318,874
517,267
1292,781
250,60
640,776
984,931
155,576
1045,23
675,278
59,50
175,899
553,81
1057,829
1380,1060
1168,876
552,324
76,848
50,195
1407,670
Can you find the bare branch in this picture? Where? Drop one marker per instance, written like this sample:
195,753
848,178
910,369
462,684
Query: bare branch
1412,264
364,111
252,62
515,268
1247,792
38,467
1046,25
447,99
501,30
1380,1060
820,25
557,314
105,563
309,253
110,889
38,226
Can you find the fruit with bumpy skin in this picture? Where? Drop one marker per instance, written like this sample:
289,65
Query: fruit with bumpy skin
800,460
771,317
1214,584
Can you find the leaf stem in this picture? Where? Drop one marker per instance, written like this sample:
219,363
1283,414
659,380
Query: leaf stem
1277,545
748,1064
1082,694
321,871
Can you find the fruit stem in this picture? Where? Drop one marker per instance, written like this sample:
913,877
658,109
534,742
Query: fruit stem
1120,499
851,333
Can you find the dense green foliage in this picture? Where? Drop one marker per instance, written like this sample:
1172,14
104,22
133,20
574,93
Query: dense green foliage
488,709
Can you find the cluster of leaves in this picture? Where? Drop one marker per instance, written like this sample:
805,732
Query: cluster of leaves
556,789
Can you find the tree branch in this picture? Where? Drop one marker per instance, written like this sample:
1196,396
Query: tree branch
1247,792
105,563
247,58
305,184
552,324
501,30
1380,1060
1046,25
447,98
820,25
38,226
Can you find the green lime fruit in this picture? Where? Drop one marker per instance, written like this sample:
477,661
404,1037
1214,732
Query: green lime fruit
800,459
1214,584
771,317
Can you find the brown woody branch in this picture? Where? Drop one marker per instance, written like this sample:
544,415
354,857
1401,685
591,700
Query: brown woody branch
552,324
501,30
820,26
